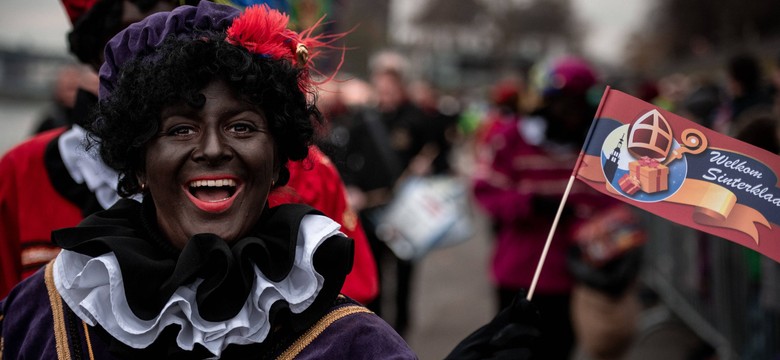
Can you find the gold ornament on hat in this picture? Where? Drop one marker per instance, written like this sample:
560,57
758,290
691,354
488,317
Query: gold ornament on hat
302,54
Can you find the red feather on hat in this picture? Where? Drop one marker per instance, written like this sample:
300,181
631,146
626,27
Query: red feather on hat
263,31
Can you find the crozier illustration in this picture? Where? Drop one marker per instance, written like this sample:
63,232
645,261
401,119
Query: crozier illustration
643,160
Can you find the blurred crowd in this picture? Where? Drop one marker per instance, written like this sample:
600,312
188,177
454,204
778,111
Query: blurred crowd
513,143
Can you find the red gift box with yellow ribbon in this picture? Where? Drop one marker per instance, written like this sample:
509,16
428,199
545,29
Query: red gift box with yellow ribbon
629,184
653,176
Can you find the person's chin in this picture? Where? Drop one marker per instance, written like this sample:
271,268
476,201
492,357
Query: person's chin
224,230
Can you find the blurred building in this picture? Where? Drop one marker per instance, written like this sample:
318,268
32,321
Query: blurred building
28,75
463,43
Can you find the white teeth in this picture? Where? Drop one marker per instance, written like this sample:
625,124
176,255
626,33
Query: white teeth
213,183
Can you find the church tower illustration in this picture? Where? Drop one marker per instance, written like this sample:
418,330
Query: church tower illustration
612,163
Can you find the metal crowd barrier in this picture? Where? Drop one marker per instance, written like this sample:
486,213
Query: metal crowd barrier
727,294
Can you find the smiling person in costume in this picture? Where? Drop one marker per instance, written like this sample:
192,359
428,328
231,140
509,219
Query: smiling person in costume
202,267
49,182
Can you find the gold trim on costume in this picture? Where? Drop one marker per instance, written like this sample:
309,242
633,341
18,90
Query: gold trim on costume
89,342
57,311
318,328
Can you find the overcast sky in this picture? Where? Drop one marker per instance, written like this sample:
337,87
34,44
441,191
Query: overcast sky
609,23
42,24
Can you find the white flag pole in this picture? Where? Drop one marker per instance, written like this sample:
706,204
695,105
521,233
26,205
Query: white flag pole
549,239
566,195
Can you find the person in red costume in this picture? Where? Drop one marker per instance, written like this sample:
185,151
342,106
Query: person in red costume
49,182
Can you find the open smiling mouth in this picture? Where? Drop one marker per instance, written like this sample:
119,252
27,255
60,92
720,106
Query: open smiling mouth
213,195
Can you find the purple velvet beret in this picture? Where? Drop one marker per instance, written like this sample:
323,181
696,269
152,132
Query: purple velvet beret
150,33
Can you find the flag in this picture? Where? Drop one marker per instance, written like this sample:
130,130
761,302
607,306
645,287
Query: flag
684,172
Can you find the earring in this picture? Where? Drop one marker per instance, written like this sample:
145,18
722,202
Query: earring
143,187
273,182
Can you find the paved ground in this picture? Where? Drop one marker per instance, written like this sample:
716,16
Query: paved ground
451,296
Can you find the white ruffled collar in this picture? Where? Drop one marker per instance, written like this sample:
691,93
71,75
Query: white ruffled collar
85,167
93,289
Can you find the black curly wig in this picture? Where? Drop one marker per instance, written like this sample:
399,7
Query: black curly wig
175,73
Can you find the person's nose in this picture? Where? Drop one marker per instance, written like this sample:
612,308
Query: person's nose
213,148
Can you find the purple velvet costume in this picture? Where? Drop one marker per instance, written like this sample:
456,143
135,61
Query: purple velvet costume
29,332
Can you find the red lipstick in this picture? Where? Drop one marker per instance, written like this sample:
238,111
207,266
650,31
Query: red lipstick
213,193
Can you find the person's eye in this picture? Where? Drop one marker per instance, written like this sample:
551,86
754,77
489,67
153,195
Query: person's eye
180,130
241,128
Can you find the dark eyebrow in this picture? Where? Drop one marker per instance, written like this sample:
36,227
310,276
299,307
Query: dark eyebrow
239,110
185,110
178,109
